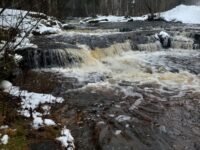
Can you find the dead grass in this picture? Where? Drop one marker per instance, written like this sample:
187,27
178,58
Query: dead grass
20,131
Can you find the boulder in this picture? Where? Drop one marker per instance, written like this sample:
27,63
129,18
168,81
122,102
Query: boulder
197,38
164,38
4,85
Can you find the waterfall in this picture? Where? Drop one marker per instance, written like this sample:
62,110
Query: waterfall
115,49
37,58
149,46
69,57
180,42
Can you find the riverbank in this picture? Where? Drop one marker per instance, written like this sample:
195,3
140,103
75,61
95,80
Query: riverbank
113,85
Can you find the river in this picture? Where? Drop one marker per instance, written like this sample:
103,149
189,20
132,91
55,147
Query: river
122,90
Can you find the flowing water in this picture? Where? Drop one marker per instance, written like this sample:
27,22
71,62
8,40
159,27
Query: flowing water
126,93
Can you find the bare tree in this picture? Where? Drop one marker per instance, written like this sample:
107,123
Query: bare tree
12,26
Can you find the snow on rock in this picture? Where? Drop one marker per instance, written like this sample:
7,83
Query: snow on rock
112,19
17,58
66,139
184,14
10,18
37,122
43,29
164,38
30,102
123,118
5,85
32,22
117,132
22,43
4,139
164,34
49,122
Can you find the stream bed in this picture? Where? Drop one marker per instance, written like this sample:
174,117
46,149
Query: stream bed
122,90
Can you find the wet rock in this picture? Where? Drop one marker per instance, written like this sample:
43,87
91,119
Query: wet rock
40,58
97,21
155,17
174,70
68,27
130,20
197,38
164,39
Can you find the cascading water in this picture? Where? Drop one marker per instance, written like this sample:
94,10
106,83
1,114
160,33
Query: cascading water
117,57
124,88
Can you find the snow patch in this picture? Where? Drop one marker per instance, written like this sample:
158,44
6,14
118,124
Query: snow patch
37,122
117,132
4,139
5,85
176,14
66,139
47,30
49,122
4,127
30,101
10,18
184,14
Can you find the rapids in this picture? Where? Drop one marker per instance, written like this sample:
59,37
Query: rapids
122,90
174,68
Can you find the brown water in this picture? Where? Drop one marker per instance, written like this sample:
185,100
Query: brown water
120,98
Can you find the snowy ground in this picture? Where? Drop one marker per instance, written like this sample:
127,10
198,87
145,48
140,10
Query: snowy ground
30,101
184,14
176,14
32,23
26,23
11,18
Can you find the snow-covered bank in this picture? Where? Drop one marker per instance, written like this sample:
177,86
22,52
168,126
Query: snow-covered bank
17,26
30,101
11,18
184,14
176,14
